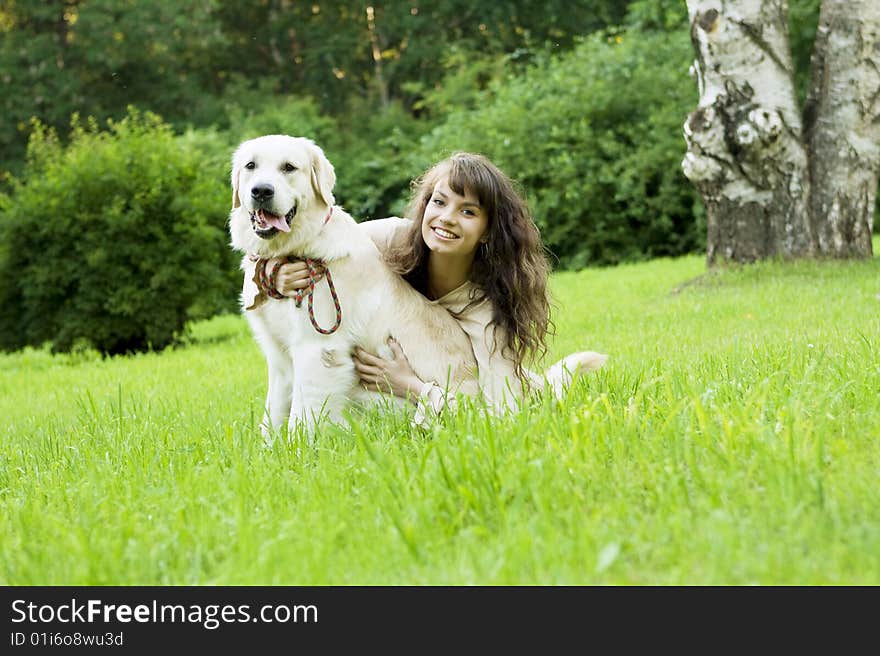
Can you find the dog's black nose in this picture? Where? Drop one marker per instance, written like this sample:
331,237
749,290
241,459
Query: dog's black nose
262,192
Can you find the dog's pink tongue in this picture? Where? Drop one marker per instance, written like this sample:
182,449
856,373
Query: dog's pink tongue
274,221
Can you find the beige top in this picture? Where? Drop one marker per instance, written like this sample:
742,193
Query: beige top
496,373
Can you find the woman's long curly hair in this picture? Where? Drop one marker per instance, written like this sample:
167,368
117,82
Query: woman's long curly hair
511,268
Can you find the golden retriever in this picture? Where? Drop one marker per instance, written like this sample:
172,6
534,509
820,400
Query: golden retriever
283,205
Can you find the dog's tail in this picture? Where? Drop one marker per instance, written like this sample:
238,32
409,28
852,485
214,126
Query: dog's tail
560,375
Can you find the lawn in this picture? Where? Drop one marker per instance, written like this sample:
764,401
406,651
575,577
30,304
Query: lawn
733,438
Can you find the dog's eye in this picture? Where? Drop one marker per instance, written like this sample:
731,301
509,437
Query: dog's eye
250,166
288,168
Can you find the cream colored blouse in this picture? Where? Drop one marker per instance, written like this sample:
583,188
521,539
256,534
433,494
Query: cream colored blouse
497,378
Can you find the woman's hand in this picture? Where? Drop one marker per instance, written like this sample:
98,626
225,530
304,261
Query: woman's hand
395,376
293,276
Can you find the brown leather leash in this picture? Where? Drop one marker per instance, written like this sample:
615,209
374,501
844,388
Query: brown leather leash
266,282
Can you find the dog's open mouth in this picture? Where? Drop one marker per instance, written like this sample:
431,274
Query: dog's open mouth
267,225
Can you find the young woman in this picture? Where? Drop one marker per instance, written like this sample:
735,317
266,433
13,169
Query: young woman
473,248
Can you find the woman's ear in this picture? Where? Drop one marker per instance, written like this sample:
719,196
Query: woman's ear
323,175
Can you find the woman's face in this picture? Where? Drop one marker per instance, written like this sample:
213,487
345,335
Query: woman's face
453,224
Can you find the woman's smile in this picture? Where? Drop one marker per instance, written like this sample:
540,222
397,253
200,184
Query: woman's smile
444,234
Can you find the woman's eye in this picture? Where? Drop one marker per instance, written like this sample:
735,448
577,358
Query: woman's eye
437,201
468,212
250,166
288,168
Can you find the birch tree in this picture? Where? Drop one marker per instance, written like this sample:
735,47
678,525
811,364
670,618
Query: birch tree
778,180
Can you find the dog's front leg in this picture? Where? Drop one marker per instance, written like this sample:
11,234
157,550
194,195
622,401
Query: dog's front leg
280,394
322,386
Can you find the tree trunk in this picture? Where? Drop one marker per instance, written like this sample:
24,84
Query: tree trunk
745,149
378,75
842,122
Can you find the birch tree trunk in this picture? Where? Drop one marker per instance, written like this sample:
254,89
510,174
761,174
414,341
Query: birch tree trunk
772,186
842,122
746,153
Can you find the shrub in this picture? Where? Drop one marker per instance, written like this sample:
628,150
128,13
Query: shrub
371,163
594,138
113,241
298,116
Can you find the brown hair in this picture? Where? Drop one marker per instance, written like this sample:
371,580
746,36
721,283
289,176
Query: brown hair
511,267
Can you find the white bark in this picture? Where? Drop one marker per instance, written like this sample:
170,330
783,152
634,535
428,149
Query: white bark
842,118
745,140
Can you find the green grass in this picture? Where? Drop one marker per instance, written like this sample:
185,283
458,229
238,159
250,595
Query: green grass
733,438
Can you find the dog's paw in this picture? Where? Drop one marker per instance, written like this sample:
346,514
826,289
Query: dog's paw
585,361
562,374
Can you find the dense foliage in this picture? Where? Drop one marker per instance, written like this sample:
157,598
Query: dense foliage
594,138
114,242
184,58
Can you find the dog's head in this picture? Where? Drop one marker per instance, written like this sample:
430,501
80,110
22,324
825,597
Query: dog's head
277,181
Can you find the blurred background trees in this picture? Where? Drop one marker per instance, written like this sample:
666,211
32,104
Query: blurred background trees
581,102
189,60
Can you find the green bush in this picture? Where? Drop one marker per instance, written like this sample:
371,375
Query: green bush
115,240
594,137
371,163
267,113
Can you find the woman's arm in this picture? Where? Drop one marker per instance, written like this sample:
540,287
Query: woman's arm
497,379
385,233
294,276
397,377
496,368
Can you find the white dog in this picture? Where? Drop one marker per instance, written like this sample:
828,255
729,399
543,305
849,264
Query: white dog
283,205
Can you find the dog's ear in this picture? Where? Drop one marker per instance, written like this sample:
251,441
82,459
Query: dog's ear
236,171
235,201
323,175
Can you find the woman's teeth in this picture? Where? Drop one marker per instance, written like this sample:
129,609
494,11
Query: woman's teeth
445,233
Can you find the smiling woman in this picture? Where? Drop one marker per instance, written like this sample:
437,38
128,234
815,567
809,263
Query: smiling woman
495,255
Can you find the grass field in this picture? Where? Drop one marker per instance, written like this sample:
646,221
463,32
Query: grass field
733,438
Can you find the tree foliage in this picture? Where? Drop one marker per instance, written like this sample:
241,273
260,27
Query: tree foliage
113,241
183,59
594,137
803,18
96,57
